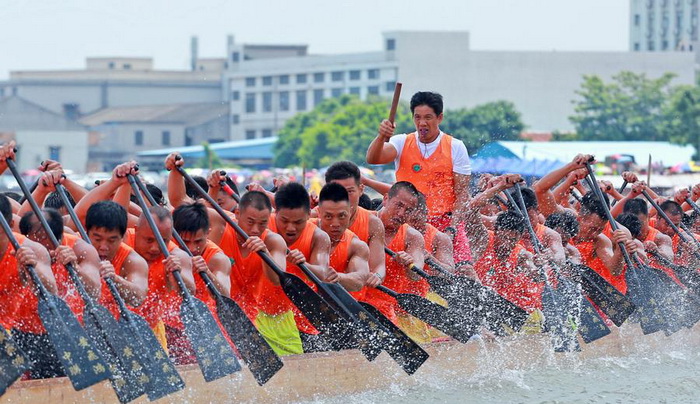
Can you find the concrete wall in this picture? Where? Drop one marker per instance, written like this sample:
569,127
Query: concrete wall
116,143
34,147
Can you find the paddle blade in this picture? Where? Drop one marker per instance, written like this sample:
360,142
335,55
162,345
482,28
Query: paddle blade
13,362
214,355
80,360
128,380
614,304
434,314
591,325
651,318
495,309
161,376
406,352
262,361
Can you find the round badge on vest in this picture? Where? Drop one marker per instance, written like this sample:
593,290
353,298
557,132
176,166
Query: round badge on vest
416,167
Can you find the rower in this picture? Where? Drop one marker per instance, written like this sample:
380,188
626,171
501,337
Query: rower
438,245
106,224
18,303
366,226
566,225
408,244
682,252
307,245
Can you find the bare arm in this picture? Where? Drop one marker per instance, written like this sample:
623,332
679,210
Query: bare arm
277,248
219,270
415,247
357,270
88,267
381,187
185,269
43,264
380,151
377,261
133,280
442,251
461,187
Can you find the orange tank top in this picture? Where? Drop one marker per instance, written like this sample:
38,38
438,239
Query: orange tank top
106,298
429,237
210,250
339,260
591,260
66,288
433,176
18,303
505,278
360,226
162,303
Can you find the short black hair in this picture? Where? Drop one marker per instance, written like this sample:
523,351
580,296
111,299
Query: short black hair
631,222
365,202
155,192
403,185
190,218
671,207
106,215
5,207
255,199
342,170
510,220
12,195
433,100
591,204
160,212
53,217
191,191
529,198
563,220
53,200
690,219
636,206
292,195
333,192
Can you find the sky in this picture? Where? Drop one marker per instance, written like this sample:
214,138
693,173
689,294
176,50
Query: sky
60,34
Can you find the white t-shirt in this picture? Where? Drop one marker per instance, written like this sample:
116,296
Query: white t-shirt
460,156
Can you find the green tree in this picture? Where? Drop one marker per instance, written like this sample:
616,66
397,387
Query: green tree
682,114
484,124
631,107
210,158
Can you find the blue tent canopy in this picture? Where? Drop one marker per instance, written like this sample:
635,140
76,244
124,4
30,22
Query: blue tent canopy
502,165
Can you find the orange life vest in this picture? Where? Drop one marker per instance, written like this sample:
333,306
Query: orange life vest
210,250
18,303
360,226
106,298
433,176
591,260
339,260
505,278
66,288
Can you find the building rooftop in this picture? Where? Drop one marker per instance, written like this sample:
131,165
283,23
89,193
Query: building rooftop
16,113
185,114
236,150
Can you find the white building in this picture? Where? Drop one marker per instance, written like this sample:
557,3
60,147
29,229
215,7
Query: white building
664,25
265,92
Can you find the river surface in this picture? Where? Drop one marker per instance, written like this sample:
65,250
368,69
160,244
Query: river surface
669,373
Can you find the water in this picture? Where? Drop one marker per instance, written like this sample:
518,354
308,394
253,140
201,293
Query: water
668,372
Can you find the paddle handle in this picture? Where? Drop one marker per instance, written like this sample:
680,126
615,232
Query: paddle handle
693,205
388,291
47,229
32,189
576,196
395,102
536,245
263,255
43,292
621,190
133,181
665,216
413,268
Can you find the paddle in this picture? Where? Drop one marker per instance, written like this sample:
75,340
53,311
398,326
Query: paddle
651,318
261,359
616,306
319,313
81,362
395,103
689,277
214,355
576,196
621,190
13,362
161,377
127,377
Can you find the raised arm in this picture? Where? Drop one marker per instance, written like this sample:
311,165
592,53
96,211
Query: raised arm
177,193
380,151
381,187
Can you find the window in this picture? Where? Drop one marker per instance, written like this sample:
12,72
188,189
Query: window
138,138
373,90
336,92
111,65
71,111
2,92
235,119
55,153
301,100
250,103
637,20
267,101
250,134
267,80
664,45
390,86
318,96
250,81
235,56
636,46
284,79
235,95
267,133
284,100
319,77
390,44
355,90
337,76
127,66
165,138
301,79
354,74
373,74
188,139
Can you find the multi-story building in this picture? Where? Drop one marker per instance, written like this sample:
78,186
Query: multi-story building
664,25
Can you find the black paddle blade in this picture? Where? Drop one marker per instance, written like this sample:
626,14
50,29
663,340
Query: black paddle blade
214,354
591,325
262,361
13,362
556,308
161,376
368,336
465,307
495,309
614,304
80,360
128,380
406,352
651,319
319,313
433,314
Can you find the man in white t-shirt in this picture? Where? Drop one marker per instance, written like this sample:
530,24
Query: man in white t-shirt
435,162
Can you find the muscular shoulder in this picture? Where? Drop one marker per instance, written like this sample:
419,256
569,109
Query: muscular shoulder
662,239
41,251
275,242
135,259
320,238
220,261
358,247
414,236
84,250
552,236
